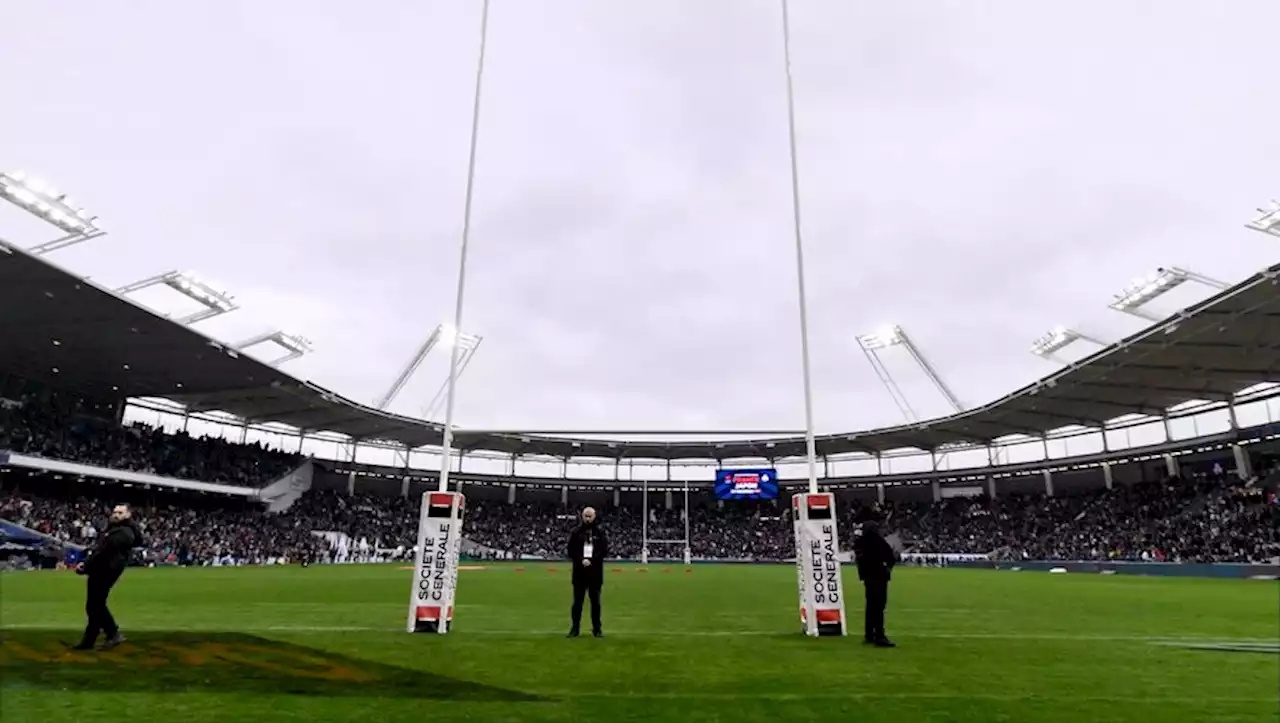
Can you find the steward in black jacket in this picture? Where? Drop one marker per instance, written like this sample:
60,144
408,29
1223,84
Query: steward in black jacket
875,558
104,566
588,548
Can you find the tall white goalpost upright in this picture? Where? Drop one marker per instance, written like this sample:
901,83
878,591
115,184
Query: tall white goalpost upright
644,523
813,513
435,579
688,541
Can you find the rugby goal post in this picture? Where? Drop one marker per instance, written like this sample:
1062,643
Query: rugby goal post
681,544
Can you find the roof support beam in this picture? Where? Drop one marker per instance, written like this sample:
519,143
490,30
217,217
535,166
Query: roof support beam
1015,429
1247,376
1191,392
1119,406
1069,418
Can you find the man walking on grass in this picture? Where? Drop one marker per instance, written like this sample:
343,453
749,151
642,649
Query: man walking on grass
103,567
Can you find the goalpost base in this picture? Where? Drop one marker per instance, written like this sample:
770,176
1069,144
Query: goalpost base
818,564
673,557
435,571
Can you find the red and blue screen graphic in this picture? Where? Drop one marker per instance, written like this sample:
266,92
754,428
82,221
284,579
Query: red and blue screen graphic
747,484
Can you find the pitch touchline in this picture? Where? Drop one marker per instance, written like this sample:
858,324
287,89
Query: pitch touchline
904,636
905,695
677,634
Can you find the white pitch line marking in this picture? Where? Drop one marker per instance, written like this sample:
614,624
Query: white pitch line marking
1156,639
921,695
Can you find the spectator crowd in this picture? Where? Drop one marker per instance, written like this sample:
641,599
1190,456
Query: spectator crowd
178,529
60,434
1205,518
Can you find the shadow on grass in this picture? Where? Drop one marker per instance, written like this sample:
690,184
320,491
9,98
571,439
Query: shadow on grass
179,662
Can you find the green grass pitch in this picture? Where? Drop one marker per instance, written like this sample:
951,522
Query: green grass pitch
720,643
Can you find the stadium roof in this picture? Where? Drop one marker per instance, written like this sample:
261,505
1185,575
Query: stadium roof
60,328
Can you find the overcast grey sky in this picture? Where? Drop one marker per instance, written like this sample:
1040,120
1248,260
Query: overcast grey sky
974,171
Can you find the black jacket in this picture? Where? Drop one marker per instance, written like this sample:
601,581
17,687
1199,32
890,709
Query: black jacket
599,551
111,554
874,555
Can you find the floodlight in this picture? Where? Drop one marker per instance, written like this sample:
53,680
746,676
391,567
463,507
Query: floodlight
1056,339
1143,290
467,349
1269,221
445,336
186,283
294,345
882,338
218,302
450,336
47,203
891,336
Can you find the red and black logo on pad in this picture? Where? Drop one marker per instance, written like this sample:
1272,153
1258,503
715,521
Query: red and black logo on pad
819,507
439,504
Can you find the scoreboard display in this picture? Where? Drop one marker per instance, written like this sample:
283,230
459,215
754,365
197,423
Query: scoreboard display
747,484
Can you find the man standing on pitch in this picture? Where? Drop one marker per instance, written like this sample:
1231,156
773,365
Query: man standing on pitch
588,548
103,567
875,558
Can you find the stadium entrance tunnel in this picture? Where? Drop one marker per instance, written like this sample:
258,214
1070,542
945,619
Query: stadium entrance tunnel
184,662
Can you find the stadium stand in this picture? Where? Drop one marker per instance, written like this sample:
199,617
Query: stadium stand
64,401
109,345
1209,518
54,431
181,528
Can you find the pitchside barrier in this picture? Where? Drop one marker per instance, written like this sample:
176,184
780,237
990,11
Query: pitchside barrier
1161,569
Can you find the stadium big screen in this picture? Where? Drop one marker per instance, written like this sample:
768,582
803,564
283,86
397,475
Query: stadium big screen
746,484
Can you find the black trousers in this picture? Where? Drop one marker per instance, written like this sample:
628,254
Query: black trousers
877,597
581,589
95,606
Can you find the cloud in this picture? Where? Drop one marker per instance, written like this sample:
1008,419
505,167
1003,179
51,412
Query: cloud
974,176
